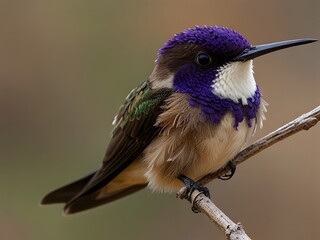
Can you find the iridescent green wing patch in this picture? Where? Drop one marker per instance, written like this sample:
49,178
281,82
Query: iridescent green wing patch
139,103
131,101
133,132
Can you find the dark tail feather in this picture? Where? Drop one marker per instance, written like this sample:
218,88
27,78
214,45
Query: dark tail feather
91,200
66,193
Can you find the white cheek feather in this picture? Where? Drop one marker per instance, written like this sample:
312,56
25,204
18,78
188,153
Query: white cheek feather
235,81
163,83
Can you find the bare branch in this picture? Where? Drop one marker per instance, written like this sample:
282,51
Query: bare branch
233,231
206,206
304,122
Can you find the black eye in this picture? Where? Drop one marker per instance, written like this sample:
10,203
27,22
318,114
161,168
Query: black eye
203,59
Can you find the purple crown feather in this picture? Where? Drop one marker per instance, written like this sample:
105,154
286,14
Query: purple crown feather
221,41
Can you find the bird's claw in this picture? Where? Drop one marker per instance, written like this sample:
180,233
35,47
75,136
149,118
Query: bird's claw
230,174
190,187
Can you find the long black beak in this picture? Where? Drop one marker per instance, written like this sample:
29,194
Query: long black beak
257,51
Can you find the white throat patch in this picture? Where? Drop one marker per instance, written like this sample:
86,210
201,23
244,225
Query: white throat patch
235,81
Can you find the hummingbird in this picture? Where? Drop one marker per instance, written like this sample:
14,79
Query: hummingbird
195,112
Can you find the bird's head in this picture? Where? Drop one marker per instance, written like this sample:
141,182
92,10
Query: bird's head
213,65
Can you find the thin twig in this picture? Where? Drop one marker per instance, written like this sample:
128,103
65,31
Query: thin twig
206,206
304,122
233,231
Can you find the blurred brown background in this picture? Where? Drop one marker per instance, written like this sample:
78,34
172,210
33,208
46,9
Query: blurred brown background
66,66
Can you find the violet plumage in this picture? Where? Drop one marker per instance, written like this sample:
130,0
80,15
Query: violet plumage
191,116
223,42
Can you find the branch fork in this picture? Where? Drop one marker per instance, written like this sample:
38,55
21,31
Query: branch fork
203,204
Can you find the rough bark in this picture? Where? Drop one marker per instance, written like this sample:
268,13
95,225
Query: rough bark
206,206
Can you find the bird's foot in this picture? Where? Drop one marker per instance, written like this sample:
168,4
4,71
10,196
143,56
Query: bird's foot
190,187
229,175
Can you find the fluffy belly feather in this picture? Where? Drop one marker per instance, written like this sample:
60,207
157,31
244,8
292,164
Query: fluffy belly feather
193,153
189,144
